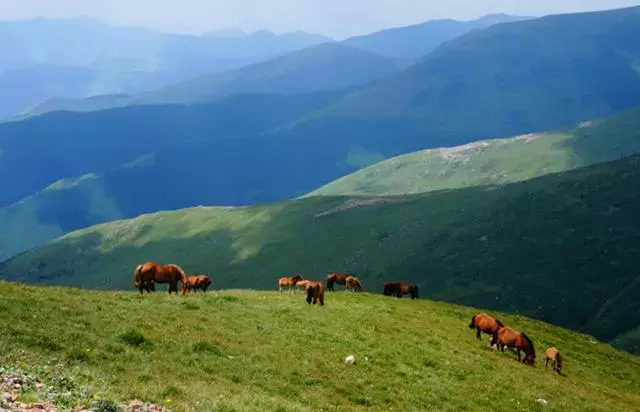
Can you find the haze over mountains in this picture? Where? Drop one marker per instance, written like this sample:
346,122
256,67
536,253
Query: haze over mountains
132,60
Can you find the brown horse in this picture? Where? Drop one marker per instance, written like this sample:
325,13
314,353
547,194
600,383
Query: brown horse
198,282
289,282
302,285
315,292
339,278
487,324
553,354
400,289
353,283
520,341
148,274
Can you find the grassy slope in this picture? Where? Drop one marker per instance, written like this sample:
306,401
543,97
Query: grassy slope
495,161
540,247
237,350
127,192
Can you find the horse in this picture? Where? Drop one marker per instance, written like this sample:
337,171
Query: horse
302,285
520,341
315,292
288,281
198,282
148,274
399,289
339,278
487,324
553,354
353,283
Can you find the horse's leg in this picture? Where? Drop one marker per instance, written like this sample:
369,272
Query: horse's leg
519,357
478,334
546,361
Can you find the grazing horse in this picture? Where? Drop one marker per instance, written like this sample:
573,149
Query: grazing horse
198,282
553,354
339,278
148,274
302,285
487,324
288,281
399,289
353,283
520,341
315,292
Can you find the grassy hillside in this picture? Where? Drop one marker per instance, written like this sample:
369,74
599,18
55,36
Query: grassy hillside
138,187
239,350
539,248
415,41
496,161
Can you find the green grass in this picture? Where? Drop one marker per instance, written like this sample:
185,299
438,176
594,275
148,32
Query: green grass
561,248
243,350
495,161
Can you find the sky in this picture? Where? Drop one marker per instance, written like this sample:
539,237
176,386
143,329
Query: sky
335,18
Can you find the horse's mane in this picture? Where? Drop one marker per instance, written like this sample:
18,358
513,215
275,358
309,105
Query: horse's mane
524,335
500,324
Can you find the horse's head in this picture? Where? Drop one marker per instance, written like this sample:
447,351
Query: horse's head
296,279
559,360
530,359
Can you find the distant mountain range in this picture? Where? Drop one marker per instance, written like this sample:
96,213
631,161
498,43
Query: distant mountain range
118,59
133,60
299,125
412,42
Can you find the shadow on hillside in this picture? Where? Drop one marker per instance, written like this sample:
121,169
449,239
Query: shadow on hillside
560,248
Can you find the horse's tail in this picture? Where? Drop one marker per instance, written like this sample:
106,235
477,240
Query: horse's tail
330,280
136,276
500,324
183,279
309,293
473,322
533,350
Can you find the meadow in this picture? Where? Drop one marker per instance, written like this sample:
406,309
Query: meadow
246,350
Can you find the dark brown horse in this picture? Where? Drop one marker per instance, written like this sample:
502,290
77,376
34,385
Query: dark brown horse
508,337
553,354
315,292
353,283
148,274
487,324
339,278
399,289
289,282
198,282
